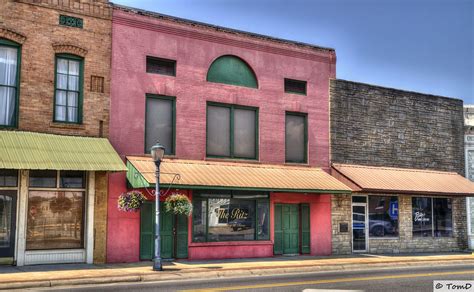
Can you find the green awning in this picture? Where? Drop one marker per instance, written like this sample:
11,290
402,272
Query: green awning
27,150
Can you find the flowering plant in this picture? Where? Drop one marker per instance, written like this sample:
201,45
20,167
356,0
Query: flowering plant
130,201
178,204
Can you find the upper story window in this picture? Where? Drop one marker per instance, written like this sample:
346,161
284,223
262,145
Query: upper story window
232,70
160,122
232,131
9,82
68,92
295,86
296,137
160,66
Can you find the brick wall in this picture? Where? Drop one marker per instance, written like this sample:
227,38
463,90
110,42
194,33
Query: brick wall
35,25
405,242
372,125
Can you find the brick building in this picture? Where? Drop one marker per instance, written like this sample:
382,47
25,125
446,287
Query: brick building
54,92
402,154
245,122
469,154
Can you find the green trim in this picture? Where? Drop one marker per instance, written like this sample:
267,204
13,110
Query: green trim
305,115
16,114
81,88
232,107
296,81
135,178
173,118
232,70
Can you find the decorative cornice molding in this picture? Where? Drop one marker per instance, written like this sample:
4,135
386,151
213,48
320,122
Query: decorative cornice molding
94,8
12,35
117,19
69,49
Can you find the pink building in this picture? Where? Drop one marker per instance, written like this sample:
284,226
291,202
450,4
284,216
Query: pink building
245,121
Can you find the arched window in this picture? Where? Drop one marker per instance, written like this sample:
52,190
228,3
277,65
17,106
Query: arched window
232,70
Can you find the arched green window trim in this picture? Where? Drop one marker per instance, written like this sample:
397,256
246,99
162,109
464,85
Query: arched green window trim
10,43
229,69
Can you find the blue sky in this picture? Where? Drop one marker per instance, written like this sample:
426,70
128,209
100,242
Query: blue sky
418,45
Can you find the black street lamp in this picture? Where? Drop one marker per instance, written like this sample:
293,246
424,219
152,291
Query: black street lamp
157,153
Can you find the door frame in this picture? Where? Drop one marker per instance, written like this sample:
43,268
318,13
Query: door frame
13,226
365,205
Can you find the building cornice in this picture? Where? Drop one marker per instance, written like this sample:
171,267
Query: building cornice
94,8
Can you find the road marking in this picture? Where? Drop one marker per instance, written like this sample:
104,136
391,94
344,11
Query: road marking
327,281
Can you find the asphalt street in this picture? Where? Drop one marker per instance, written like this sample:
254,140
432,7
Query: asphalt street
399,279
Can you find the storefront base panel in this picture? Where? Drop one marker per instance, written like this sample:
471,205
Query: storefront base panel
230,251
55,257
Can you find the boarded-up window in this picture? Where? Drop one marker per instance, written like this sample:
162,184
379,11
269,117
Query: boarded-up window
161,66
160,119
295,138
97,84
295,86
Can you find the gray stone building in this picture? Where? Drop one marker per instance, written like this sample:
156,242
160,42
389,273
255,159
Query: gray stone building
402,154
469,146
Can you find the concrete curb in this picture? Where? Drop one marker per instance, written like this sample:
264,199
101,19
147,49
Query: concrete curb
227,273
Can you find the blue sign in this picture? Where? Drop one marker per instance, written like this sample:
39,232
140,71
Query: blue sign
393,210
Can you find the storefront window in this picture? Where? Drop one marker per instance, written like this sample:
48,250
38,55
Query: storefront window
383,216
8,178
55,218
422,217
442,217
236,216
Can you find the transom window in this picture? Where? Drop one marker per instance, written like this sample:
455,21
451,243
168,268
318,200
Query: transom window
232,131
232,70
296,137
9,82
68,94
295,86
160,66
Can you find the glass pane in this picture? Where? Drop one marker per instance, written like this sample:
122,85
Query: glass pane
62,65
199,220
55,220
6,209
74,67
8,178
72,179
231,219
43,178
73,83
7,106
358,217
383,216
244,133
295,139
8,65
263,213
443,217
61,81
218,131
358,228
359,199
422,217
61,97
72,98
159,124
60,113
72,114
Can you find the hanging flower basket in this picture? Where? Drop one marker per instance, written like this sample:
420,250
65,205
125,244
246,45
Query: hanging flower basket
178,204
130,201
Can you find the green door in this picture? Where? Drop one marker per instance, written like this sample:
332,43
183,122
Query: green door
173,231
286,229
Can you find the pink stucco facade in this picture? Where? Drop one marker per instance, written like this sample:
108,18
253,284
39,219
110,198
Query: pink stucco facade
194,48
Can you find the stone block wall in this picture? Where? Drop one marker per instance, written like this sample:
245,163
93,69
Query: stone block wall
378,126
405,242
100,217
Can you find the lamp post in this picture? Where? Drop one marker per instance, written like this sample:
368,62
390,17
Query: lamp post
157,153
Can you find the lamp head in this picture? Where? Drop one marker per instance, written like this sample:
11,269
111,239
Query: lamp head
157,152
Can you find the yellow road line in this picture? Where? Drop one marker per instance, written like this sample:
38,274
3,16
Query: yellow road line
341,280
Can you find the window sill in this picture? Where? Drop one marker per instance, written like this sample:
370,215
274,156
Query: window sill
231,243
60,125
238,160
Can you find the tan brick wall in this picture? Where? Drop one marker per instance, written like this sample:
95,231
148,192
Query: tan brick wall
100,217
405,242
37,22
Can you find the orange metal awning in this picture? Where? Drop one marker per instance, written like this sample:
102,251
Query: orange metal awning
401,180
229,175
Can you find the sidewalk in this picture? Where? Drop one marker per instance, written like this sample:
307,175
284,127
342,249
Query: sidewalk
77,274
